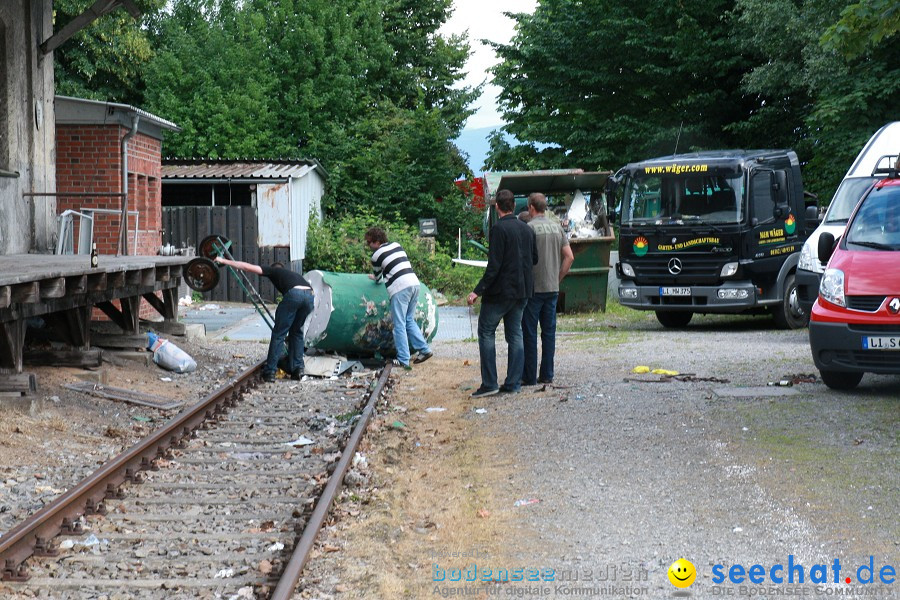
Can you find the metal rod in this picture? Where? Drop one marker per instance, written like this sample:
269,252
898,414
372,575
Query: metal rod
73,194
291,575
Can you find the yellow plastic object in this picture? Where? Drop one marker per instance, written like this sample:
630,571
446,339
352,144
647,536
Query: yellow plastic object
641,369
664,372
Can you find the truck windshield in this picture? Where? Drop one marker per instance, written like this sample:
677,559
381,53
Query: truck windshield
706,198
846,198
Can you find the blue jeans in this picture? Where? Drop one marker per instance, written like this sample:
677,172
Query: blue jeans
541,309
510,311
290,315
406,330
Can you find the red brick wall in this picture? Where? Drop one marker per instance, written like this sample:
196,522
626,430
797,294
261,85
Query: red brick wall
88,159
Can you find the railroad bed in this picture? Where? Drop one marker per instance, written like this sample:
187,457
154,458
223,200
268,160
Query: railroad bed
219,512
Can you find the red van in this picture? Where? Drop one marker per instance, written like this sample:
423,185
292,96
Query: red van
855,322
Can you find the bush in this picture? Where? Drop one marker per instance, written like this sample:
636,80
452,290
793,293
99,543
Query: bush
338,245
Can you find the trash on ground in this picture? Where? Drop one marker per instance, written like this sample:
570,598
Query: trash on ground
641,369
300,441
169,356
224,574
398,425
526,502
481,411
664,372
435,409
329,366
782,383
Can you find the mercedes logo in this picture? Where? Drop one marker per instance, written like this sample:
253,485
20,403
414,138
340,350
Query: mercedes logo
894,305
674,266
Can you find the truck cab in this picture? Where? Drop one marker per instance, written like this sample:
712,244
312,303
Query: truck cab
712,232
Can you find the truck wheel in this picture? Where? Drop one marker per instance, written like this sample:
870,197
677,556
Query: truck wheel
841,380
675,320
789,314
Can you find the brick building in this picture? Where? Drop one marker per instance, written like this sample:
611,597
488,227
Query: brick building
96,142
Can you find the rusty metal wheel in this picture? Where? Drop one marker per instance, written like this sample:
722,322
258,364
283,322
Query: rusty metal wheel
201,274
208,245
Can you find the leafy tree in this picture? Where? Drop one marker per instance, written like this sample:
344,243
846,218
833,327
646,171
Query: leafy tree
608,82
104,60
821,102
863,25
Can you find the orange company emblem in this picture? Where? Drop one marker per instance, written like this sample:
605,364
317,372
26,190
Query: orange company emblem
641,245
790,224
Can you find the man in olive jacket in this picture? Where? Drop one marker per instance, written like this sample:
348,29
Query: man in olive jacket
505,287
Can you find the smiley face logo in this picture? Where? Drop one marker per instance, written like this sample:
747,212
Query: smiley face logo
682,573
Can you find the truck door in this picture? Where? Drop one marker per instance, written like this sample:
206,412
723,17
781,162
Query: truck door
774,230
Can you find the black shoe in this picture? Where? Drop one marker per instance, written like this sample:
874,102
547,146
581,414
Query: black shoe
505,389
481,391
268,377
297,374
423,357
529,382
544,380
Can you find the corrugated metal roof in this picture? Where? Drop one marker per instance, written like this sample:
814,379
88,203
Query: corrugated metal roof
83,110
239,169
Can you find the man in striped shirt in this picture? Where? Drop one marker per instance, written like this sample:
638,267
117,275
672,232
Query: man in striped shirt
390,263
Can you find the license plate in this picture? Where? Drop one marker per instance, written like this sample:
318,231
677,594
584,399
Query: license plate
674,291
881,343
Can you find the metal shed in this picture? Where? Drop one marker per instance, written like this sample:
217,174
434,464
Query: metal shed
263,206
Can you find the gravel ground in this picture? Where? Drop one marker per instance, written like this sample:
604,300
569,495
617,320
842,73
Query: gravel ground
608,477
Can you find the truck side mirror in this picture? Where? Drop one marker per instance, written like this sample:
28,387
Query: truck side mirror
826,247
812,217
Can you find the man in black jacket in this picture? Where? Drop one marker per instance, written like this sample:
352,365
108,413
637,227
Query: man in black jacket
505,287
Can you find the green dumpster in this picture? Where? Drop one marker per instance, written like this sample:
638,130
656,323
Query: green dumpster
352,315
584,288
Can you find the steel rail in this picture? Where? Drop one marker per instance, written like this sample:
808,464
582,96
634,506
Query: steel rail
291,574
34,535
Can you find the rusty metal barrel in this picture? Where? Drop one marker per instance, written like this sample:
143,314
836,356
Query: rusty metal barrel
352,315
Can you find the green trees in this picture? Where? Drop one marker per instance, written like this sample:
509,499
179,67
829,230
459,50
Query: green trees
605,82
367,87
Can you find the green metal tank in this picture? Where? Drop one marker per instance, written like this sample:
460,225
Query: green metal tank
584,288
352,315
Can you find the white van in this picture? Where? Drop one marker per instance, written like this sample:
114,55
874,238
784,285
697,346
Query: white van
885,143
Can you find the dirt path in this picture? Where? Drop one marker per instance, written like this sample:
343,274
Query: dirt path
606,479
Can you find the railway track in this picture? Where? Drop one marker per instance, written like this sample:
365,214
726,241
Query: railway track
224,501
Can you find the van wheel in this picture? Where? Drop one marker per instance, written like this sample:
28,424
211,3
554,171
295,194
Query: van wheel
675,320
789,314
841,380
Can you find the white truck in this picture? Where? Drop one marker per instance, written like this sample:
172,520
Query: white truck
880,151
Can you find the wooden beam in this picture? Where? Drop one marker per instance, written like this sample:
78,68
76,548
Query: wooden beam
76,284
26,293
53,288
5,295
12,339
25,383
115,280
63,358
96,10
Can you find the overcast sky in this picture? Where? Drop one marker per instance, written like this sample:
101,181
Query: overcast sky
484,20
